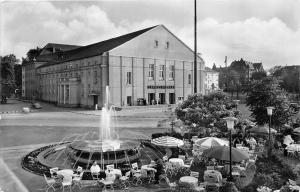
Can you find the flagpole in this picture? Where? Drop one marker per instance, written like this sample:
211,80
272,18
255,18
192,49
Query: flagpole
195,49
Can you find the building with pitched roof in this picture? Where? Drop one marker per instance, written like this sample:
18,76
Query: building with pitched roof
150,64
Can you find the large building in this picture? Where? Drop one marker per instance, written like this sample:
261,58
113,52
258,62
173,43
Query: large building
211,80
150,64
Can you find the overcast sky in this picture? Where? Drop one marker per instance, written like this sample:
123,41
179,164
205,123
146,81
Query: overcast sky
266,31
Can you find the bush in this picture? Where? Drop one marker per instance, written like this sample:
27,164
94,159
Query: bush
174,173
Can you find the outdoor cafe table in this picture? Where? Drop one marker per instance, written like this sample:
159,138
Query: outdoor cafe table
293,147
176,161
193,181
216,175
66,173
148,167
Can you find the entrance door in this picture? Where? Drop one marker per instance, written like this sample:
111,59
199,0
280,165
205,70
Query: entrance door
129,100
162,98
95,100
151,98
171,98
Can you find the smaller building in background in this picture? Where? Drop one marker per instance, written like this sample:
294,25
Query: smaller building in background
211,80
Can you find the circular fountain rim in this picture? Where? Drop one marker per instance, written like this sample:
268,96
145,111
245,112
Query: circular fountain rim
82,145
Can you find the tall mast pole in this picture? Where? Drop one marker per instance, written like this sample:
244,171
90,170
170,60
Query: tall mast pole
195,49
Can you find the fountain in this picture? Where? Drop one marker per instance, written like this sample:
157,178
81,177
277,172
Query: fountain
103,146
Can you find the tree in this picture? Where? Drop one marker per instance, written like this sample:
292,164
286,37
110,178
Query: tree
204,110
33,54
259,75
264,93
7,75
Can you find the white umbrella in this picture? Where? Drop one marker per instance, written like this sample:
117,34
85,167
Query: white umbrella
208,142
167,141
297,131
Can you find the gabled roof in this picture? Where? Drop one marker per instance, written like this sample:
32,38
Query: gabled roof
96,48
47,54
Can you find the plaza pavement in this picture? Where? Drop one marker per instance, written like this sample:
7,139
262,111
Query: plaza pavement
21,133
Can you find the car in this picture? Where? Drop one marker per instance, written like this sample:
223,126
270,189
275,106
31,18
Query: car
36,106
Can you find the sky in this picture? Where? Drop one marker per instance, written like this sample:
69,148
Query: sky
266,31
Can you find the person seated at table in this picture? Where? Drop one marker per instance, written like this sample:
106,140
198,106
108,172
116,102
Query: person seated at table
159,170
95,168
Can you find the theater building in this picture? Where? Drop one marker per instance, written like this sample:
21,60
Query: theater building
150,64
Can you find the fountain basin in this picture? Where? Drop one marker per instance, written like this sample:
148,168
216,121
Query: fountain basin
106,152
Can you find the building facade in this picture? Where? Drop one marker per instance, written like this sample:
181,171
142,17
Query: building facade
150,64
211,80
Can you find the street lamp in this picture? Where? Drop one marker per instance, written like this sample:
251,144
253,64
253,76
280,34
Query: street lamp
270,113
230,127
236,103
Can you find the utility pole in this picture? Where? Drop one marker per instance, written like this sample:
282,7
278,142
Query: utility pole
195,49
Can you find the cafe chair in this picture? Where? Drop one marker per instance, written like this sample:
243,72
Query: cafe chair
49,183
125,180
135,167
165,159
172,186
108,182
67,182
137,176
53,171
77,180
110,167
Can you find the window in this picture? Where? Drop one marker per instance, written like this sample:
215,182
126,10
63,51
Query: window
167,45
129,78
151,72
161,72
95,77
155,43
171,72
189,79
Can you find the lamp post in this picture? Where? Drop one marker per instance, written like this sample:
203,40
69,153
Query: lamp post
236,103
270,113
230,127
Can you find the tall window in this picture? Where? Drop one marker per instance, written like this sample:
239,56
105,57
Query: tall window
167,45
171,72
155,43
129,78
161,72
151,72
95,77
189,79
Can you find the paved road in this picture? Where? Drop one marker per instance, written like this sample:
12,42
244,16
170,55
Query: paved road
21,133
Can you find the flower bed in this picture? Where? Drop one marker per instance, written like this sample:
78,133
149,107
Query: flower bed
270,172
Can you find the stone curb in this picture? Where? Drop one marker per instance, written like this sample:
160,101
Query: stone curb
17,111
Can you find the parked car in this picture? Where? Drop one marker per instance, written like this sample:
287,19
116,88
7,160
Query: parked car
36,106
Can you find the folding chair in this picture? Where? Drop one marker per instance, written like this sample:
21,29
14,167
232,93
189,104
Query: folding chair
125,180
53,171
110,167
67,182
49,183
